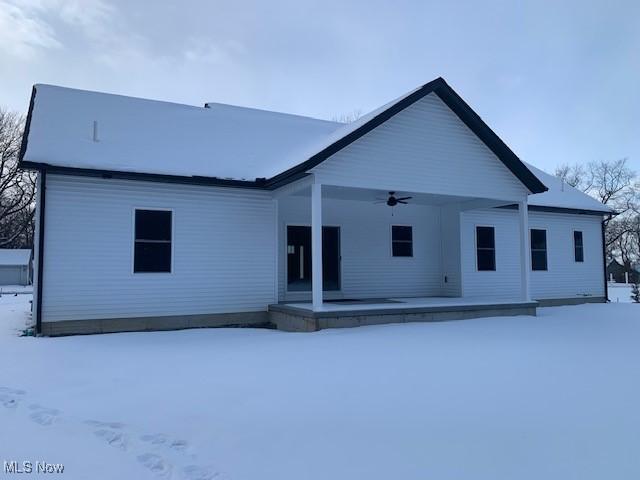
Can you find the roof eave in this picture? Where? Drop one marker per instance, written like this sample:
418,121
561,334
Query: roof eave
258,183
27,129
556,209
475,123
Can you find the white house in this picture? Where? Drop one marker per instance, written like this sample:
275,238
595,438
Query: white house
15,266
156,215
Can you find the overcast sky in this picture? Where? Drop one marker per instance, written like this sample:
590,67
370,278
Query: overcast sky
559,81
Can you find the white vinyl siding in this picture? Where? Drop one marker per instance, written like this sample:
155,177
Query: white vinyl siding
223,250
225,253
450,247
368,268
424,148
564,278
504,282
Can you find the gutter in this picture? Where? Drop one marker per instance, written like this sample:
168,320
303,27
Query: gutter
41,217
258,183
572,211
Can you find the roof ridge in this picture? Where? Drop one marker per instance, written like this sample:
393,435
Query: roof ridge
207,105
110,94
213,105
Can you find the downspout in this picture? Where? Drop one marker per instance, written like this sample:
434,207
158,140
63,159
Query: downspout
42,198
604,260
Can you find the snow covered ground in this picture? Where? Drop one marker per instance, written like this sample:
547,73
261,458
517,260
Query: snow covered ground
554,397
619,292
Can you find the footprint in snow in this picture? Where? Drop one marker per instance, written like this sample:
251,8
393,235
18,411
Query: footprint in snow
114,425
111,432
10,398
163,440
156,464
43,416
113,437
195,472
189,472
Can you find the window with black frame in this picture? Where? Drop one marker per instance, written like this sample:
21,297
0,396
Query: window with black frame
402,241
153,236
538,249
485,249
578,246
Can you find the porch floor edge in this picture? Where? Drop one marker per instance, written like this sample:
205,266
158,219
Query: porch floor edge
399,310
293,318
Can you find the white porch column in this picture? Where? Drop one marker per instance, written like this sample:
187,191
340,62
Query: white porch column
316,245
525,260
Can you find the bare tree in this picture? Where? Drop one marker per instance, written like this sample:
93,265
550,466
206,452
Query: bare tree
615,184
571,174
347,117
622,240
17,187
610,181
634,233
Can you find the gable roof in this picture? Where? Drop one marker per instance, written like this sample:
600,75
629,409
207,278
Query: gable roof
230,145
349,133
235,144
14,256
614,263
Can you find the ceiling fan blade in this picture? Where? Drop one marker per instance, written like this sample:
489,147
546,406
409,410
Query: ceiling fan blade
403,202
405,198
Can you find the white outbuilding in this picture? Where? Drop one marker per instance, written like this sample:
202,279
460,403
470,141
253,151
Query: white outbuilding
15,266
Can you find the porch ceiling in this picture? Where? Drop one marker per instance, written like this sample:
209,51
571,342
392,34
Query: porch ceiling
371,195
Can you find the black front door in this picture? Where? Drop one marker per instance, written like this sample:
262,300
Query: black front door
299,265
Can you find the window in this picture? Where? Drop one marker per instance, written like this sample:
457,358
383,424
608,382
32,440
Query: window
538,249
152,249
401,241
485,248
578,248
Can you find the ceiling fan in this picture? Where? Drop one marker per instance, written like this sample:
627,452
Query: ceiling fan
392,201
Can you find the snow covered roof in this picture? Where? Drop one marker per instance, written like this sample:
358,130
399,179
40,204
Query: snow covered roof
86,130
16,256
94,131
563,195
148,136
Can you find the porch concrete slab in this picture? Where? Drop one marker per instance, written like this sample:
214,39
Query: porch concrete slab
301,316
556,302
288,322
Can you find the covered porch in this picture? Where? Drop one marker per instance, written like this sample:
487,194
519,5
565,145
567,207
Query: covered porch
346,272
